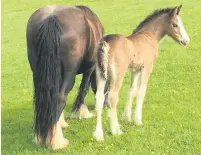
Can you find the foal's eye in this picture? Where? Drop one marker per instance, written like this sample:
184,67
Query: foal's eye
174,25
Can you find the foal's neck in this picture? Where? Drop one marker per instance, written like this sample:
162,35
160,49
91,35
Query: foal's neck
156,28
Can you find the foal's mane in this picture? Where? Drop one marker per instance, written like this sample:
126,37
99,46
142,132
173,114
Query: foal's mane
151,17
89,14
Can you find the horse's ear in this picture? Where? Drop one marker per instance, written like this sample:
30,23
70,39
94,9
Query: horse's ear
173,12
178,9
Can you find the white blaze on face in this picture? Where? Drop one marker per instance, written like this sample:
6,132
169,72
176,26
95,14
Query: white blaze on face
183,32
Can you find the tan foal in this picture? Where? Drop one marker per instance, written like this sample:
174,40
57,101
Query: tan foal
138,51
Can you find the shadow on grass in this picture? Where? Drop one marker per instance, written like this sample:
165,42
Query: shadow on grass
17,131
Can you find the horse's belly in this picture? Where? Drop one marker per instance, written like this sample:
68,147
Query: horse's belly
85,65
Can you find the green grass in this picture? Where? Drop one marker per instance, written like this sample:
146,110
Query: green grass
171,112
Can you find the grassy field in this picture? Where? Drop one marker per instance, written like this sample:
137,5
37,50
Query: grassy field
171,112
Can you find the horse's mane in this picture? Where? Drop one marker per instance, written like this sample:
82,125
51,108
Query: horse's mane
89,14
152,16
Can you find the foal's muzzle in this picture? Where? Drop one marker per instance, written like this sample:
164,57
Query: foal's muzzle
184,42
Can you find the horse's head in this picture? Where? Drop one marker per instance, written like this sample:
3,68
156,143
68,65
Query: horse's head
175,28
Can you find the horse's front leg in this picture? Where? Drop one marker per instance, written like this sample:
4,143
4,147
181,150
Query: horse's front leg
79,105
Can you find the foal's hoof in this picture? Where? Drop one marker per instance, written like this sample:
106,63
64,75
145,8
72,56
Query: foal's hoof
117,132
98,135
63,143
138,122
126,117
84,112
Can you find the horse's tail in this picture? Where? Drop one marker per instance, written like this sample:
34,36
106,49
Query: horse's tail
102,58
47,78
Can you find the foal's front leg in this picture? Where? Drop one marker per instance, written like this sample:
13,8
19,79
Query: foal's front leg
140,96
131,94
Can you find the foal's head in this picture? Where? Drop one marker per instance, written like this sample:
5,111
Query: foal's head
175,28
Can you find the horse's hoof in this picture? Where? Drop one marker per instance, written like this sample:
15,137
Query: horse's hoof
84,112
98,135
63,124
62,121
60,145
87,115
37,141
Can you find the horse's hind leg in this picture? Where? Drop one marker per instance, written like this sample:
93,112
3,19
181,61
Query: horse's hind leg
140,96
131,94
79,105
58,140
62,120
66,88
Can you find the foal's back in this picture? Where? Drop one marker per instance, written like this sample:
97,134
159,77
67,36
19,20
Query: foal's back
118,54
135,51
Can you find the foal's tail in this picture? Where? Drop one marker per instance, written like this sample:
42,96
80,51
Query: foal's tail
47,78
102,58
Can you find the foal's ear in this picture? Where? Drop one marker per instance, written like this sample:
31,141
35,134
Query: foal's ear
178,9
173,12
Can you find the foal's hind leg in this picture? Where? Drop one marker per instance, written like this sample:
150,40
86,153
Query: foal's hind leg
131,94
140,96
94,88
113,98
98,133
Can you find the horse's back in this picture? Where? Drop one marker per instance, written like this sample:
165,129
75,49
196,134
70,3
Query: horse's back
65,13
42,13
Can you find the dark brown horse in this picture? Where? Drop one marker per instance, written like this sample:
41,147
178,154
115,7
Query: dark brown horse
61,41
